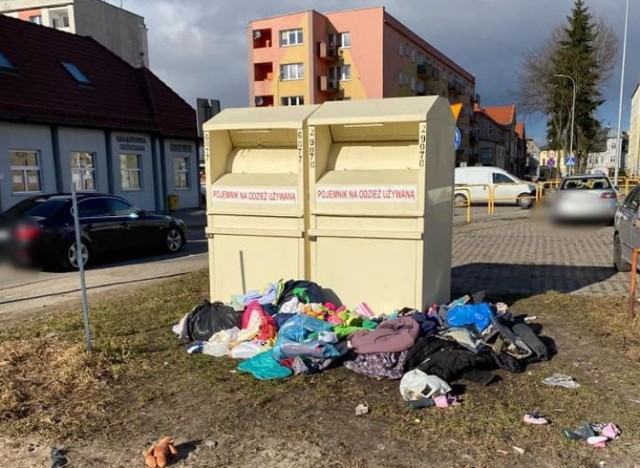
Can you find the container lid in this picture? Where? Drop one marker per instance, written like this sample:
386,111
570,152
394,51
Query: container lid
248,118
404,109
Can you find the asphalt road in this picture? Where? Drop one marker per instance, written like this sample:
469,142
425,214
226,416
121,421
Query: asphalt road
25,292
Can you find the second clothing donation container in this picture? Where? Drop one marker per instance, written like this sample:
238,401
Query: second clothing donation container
381,190
256,197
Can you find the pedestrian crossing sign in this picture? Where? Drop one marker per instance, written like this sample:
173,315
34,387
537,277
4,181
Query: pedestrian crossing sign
570,161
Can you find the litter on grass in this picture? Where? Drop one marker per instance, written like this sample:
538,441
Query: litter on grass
561,380
292,328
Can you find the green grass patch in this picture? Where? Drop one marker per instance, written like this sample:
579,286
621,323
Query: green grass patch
139,379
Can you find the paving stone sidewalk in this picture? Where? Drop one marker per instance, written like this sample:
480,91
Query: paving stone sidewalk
528,256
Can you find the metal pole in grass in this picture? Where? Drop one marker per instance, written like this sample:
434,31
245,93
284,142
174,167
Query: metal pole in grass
632,288
80,263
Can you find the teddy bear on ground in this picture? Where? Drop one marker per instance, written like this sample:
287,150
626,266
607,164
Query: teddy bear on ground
158,454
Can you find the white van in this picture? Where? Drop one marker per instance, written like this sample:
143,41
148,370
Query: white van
508,188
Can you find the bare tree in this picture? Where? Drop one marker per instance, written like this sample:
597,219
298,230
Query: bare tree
536,82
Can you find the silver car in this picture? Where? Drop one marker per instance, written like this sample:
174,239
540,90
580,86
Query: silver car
585,198
626,235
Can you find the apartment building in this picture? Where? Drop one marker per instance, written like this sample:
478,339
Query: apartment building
633,161
310,57
499,139
605,161
119,30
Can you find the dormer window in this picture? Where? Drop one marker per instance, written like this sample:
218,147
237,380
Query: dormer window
76,73
5,64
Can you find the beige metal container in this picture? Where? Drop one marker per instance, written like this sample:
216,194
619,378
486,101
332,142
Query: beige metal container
257,212
381,191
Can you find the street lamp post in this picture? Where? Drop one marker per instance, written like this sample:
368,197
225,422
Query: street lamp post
573,110
624,57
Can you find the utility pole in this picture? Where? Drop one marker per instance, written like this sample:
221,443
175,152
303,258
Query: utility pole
624,58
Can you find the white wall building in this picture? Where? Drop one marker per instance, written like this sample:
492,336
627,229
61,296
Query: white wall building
73,112
605,161
634,133
121,31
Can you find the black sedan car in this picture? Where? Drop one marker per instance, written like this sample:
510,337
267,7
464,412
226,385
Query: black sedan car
40,229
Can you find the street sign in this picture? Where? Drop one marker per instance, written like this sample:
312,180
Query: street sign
552,153
570,161
458,139
551,162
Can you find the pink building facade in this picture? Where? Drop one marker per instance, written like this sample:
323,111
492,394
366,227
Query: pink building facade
310,57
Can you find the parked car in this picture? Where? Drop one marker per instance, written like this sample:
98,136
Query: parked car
508,188
584,198
42,229
626,236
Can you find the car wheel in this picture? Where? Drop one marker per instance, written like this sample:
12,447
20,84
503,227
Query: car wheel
618,262
69,259
459,200
524,200
174,240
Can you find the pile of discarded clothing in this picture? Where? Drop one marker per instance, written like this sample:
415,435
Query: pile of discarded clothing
292,328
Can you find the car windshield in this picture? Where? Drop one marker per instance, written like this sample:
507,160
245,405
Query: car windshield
586,183
46,209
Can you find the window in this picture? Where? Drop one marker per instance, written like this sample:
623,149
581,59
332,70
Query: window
340,73
502,179
60,22
587,183
130,171
25,171
400,78
292,100
83,171
290,37
344,72
181,172
93,208
632,202
401,49
76,73
37,19
5,64
120,207
345,39
292,71
413,84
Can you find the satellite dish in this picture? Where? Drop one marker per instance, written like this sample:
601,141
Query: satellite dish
259,101
257,34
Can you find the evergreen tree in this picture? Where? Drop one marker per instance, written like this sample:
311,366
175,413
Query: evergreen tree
576,56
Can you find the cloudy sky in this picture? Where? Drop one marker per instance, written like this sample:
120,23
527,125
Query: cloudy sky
199,46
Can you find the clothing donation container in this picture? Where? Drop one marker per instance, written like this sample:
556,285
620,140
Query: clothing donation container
256,197
381,191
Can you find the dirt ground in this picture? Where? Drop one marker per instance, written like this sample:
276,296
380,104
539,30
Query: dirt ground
140,384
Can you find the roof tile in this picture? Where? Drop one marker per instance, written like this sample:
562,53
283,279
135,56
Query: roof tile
120,96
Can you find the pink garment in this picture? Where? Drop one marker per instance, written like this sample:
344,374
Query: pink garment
254,313
610,431
363,310
392,336
444,401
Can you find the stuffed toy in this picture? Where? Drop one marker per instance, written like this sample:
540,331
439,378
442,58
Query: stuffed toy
158,454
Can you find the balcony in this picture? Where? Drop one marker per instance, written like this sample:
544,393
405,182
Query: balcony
425,70
327,52
263,71
327,85
264,100
261,38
